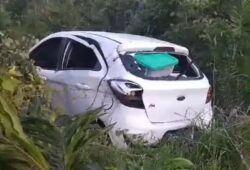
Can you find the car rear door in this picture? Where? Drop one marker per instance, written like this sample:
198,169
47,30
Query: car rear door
74,78
83,69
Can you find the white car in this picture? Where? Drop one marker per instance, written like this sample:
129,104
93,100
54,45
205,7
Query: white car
93,69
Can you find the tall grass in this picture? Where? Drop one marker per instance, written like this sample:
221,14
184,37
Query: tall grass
225,146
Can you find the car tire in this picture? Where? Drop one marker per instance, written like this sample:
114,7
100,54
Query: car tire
115,138
118,140
187,134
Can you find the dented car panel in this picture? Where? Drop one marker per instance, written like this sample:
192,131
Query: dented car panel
93,69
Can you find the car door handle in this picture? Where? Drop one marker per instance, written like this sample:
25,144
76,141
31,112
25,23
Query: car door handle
181,98
83,86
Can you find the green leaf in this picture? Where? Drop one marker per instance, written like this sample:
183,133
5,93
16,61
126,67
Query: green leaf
9,84
6,124
34,153
14,72
12,114
180,164
248,89
17,151
9,152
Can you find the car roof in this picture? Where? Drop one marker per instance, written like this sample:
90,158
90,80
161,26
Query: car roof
130,42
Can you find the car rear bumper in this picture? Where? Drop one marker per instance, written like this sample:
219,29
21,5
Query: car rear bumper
134,124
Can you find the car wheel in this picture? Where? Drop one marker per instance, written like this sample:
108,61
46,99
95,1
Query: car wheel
117,139
187,134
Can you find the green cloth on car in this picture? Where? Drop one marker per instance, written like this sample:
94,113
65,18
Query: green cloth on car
155,61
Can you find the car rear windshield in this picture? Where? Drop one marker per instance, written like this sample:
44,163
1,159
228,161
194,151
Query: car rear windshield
184,70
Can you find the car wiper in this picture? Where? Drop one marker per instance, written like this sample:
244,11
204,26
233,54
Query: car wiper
185,71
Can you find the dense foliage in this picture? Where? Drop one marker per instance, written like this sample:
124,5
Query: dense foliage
217,32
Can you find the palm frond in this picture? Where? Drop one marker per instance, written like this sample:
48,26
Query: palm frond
63,142
15,146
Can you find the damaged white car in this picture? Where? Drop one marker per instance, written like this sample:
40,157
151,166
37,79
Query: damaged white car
146,86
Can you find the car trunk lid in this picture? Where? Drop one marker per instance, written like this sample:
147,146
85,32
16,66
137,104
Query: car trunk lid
170,101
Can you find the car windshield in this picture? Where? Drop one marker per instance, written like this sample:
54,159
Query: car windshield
185,69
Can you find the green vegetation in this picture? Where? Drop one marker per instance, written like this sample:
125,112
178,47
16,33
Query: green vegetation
32,136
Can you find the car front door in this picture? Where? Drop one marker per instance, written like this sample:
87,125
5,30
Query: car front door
47,55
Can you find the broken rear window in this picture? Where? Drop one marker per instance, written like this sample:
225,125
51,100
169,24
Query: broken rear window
184,69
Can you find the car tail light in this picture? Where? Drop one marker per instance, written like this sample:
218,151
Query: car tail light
209,95
127,92
164,49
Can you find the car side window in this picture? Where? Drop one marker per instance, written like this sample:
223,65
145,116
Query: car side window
46,54
81,57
